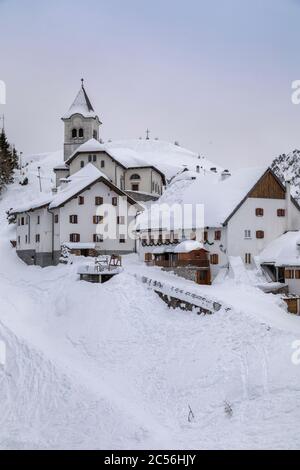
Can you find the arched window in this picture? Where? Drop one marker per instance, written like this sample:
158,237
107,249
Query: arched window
74,133
135,177
81,133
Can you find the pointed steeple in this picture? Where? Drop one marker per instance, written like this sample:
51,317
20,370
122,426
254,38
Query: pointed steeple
81,105
81,123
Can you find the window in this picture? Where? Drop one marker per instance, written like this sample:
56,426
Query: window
114,201
135,176
205,236
297,273
289,274
81,133
74,133
22,221
148,257
81,200
74,238
280,212
38,220
248,234
260,234
90,158
73,219
134,187
97,238
218,235
102,163
122,239
98,201
37,238
82,164
97,219
121,220
248,258
214,259
26,238
94,158
259,212
95,136
56,219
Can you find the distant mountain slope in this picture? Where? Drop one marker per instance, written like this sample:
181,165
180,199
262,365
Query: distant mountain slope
287,167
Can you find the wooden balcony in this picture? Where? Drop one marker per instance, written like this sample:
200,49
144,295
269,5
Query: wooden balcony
197,263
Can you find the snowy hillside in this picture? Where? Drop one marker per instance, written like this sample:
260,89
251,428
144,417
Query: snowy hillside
110,366
287,168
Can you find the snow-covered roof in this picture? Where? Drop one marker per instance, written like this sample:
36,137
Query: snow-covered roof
126,157
81,105
187,246
77,183
73,186
283,251
63,167
167,157
79,246
31,205
218,197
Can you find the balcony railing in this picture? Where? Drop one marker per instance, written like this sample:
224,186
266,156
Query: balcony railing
198,263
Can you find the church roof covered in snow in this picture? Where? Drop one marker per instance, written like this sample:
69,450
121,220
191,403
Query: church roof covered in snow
283,251
125,157
81,105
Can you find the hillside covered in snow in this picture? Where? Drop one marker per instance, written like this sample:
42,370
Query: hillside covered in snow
112,367
287,168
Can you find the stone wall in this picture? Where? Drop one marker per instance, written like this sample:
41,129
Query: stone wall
186,272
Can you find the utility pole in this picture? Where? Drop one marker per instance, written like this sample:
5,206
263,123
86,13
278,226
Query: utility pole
147,134
39,177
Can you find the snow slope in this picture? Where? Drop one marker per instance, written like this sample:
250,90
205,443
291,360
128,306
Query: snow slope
110,366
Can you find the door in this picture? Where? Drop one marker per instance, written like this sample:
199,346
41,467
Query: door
203,277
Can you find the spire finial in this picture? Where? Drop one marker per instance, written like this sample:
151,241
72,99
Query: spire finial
82,80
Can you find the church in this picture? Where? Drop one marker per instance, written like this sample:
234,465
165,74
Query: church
97,195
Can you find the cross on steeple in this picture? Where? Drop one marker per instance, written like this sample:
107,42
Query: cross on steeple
147,134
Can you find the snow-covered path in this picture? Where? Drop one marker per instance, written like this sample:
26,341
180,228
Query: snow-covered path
110,366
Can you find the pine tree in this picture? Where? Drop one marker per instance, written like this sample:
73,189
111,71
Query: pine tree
8,160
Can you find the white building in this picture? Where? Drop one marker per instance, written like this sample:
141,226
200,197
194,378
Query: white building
243,213
88,213
281,260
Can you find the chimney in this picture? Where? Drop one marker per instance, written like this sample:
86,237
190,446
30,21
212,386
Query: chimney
288,206
225,174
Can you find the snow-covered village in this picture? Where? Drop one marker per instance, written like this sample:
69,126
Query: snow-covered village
150,264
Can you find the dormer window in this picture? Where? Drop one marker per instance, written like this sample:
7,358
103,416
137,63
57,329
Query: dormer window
81,133
74,133
135,176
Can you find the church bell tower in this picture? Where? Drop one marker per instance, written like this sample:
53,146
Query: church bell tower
81,123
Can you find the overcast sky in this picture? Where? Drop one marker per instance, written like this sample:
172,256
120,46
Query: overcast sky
214,75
